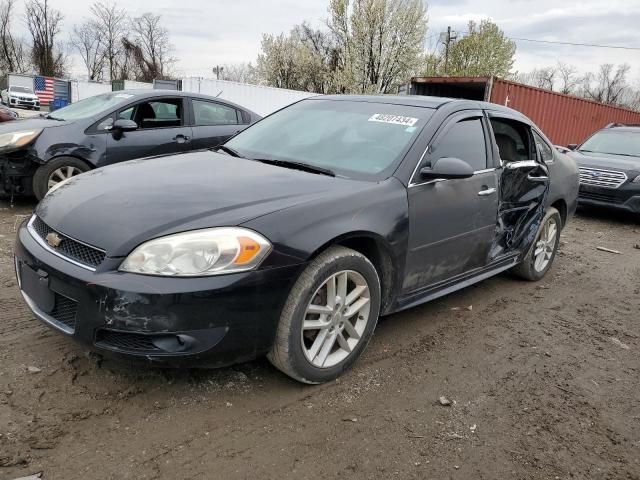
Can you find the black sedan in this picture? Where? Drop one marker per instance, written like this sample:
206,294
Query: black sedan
297,234
609,163
37,153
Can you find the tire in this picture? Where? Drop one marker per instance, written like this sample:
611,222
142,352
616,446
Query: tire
527,268
291,349
44,173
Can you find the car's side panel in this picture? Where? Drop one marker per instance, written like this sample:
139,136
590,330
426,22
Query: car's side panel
378,211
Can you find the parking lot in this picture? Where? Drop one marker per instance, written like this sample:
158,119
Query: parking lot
543,380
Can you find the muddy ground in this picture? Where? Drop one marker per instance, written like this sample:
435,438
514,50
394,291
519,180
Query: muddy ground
544,380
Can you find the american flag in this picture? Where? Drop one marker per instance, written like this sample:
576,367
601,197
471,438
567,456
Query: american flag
44,89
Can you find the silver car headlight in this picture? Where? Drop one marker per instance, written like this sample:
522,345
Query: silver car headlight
19,138
211,251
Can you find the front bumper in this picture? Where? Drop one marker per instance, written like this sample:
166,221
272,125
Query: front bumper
626,197
16,172
209,321
20,102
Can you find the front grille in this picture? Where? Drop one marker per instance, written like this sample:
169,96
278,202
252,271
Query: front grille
70,248
65,311
600,197
601,178
123,341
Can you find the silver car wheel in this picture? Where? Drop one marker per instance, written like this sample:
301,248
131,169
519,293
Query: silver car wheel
62,174
335,319
545,245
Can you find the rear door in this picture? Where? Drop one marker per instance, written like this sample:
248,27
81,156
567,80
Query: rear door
452,222
162,128
523,181
214,122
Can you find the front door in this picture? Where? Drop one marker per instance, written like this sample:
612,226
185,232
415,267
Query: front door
161,129
452,222
524,183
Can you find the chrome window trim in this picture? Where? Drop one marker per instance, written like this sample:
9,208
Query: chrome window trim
46,246
477,172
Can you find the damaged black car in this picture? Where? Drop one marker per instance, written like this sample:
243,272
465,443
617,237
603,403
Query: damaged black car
292,238
38,153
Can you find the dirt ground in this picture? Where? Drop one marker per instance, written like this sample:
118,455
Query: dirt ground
544,381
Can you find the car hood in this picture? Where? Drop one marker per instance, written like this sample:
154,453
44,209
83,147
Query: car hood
120,206
606,161
31,124
24,95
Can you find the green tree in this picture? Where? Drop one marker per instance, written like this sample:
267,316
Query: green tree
483,51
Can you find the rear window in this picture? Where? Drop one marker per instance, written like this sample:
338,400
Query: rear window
355,139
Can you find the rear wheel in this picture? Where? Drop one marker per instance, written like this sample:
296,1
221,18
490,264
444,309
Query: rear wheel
56,171
540,256
329,317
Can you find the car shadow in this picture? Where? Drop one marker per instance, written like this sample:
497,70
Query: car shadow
612,215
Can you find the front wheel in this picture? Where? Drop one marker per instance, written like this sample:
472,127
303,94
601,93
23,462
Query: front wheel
56,171
328,318
542,252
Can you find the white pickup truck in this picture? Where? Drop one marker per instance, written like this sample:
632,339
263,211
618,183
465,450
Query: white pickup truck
17,96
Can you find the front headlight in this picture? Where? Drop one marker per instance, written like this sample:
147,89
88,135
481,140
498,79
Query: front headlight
211,251
636,180
18,139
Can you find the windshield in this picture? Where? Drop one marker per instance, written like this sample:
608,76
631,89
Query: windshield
351,138
614,143
21,89
90,107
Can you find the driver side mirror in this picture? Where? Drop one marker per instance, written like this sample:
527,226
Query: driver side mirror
123,125
447,168
572,146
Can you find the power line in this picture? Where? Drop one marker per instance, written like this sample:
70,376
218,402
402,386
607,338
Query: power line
574,44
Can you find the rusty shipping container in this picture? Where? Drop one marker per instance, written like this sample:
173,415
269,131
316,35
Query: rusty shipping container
563,118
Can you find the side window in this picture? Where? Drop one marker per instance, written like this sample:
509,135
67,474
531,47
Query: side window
126,114
466,141
165,113
210,113
513,139
545,151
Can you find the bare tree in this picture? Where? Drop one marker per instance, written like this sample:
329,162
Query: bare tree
150,48
568,77
609,85
111,23
44,24
14,53
86,39
239,72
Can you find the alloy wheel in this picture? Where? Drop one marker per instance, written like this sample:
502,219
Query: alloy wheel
335,319
545,245
62,174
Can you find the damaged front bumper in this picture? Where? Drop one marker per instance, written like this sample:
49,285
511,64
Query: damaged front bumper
16,173
207,321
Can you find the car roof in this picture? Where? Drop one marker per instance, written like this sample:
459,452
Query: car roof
420,101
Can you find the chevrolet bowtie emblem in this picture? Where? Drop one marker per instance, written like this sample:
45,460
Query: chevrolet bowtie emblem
53,239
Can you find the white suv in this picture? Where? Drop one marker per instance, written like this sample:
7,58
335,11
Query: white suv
16,96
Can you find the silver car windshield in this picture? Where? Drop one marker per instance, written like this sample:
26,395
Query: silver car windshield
614,143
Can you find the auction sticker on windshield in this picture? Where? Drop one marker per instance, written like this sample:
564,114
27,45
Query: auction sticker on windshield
395,119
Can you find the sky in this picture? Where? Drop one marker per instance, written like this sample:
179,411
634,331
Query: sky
209,32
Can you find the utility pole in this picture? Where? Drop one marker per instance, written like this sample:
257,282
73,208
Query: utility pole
218,70
446,38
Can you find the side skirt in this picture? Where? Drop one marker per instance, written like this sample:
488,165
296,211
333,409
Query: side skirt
454,284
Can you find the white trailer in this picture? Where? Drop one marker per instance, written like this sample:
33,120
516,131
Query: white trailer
262,100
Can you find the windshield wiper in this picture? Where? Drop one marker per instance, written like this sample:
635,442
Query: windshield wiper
611,153
227,150
50,117
297,166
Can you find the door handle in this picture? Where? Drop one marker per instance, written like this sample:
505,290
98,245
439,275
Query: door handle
181,138
535,178
487,191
